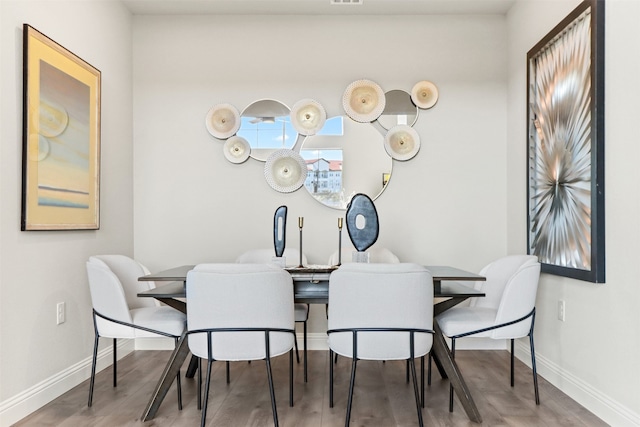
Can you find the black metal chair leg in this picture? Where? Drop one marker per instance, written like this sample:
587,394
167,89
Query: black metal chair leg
512,357
412,364
330,378
351,385
93,369
407,370
178,383
206,394
115,362
533,366
422,381
272,391
228,373
305,351
453,356
295,340
429,371
290,378
199,383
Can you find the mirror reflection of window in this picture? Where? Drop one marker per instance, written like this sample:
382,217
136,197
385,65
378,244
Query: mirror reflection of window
324,172
268,132
343,159
324,167
333,126
266,126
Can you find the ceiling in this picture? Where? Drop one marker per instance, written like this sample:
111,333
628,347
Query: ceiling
318,7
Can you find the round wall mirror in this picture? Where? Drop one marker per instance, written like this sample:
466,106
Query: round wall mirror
266,125
398,110
343,159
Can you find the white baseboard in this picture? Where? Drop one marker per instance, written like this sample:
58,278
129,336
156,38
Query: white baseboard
601,405
19,406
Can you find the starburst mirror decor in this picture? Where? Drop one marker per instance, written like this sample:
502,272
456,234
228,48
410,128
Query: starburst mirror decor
565,127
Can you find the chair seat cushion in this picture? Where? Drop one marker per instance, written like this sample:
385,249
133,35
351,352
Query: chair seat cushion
301,312
460,320
164,319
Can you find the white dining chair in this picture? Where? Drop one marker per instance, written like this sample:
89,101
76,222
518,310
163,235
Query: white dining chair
506,312
292,257
240,312
380,312
119,313
377,254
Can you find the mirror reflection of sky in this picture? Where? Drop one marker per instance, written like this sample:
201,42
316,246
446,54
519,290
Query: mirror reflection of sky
278,133
321,154
268,132
332,126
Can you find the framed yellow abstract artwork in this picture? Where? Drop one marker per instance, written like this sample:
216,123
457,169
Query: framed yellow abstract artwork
61,138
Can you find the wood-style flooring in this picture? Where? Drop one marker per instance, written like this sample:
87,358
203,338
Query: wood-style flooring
382,396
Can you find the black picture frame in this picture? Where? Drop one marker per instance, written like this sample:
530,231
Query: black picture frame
565,146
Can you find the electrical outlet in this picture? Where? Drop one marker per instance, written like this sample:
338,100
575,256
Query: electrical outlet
60,313
561,310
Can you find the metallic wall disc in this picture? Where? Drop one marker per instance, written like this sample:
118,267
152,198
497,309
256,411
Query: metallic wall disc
402,142
285,171
237,149
308,116
223,121
363,101
424,94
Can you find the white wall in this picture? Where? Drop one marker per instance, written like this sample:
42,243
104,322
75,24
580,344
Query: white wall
593,356
40,269
446,206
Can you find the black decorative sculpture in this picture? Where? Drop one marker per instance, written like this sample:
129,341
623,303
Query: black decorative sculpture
280,230
362,238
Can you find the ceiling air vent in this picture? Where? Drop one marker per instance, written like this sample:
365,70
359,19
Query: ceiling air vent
346,1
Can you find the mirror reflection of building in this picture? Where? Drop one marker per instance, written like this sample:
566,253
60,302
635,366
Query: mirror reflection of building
343,159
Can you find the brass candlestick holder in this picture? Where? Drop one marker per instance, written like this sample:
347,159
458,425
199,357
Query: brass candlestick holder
300,224
340,241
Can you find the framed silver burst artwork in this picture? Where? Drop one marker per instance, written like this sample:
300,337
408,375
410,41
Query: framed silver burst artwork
565,156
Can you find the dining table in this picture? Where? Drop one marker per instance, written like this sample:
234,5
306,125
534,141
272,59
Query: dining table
311,286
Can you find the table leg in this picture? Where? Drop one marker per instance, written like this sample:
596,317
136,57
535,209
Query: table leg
193,367
438,308
441,351
169,374
441,371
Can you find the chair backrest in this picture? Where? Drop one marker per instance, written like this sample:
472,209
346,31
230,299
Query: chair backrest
265,256
380,295
239,296
377,254
498,274
511,289
518,299
128,270
108,299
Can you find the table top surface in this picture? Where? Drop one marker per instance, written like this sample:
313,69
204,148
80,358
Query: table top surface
439,273
445,290
445,283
